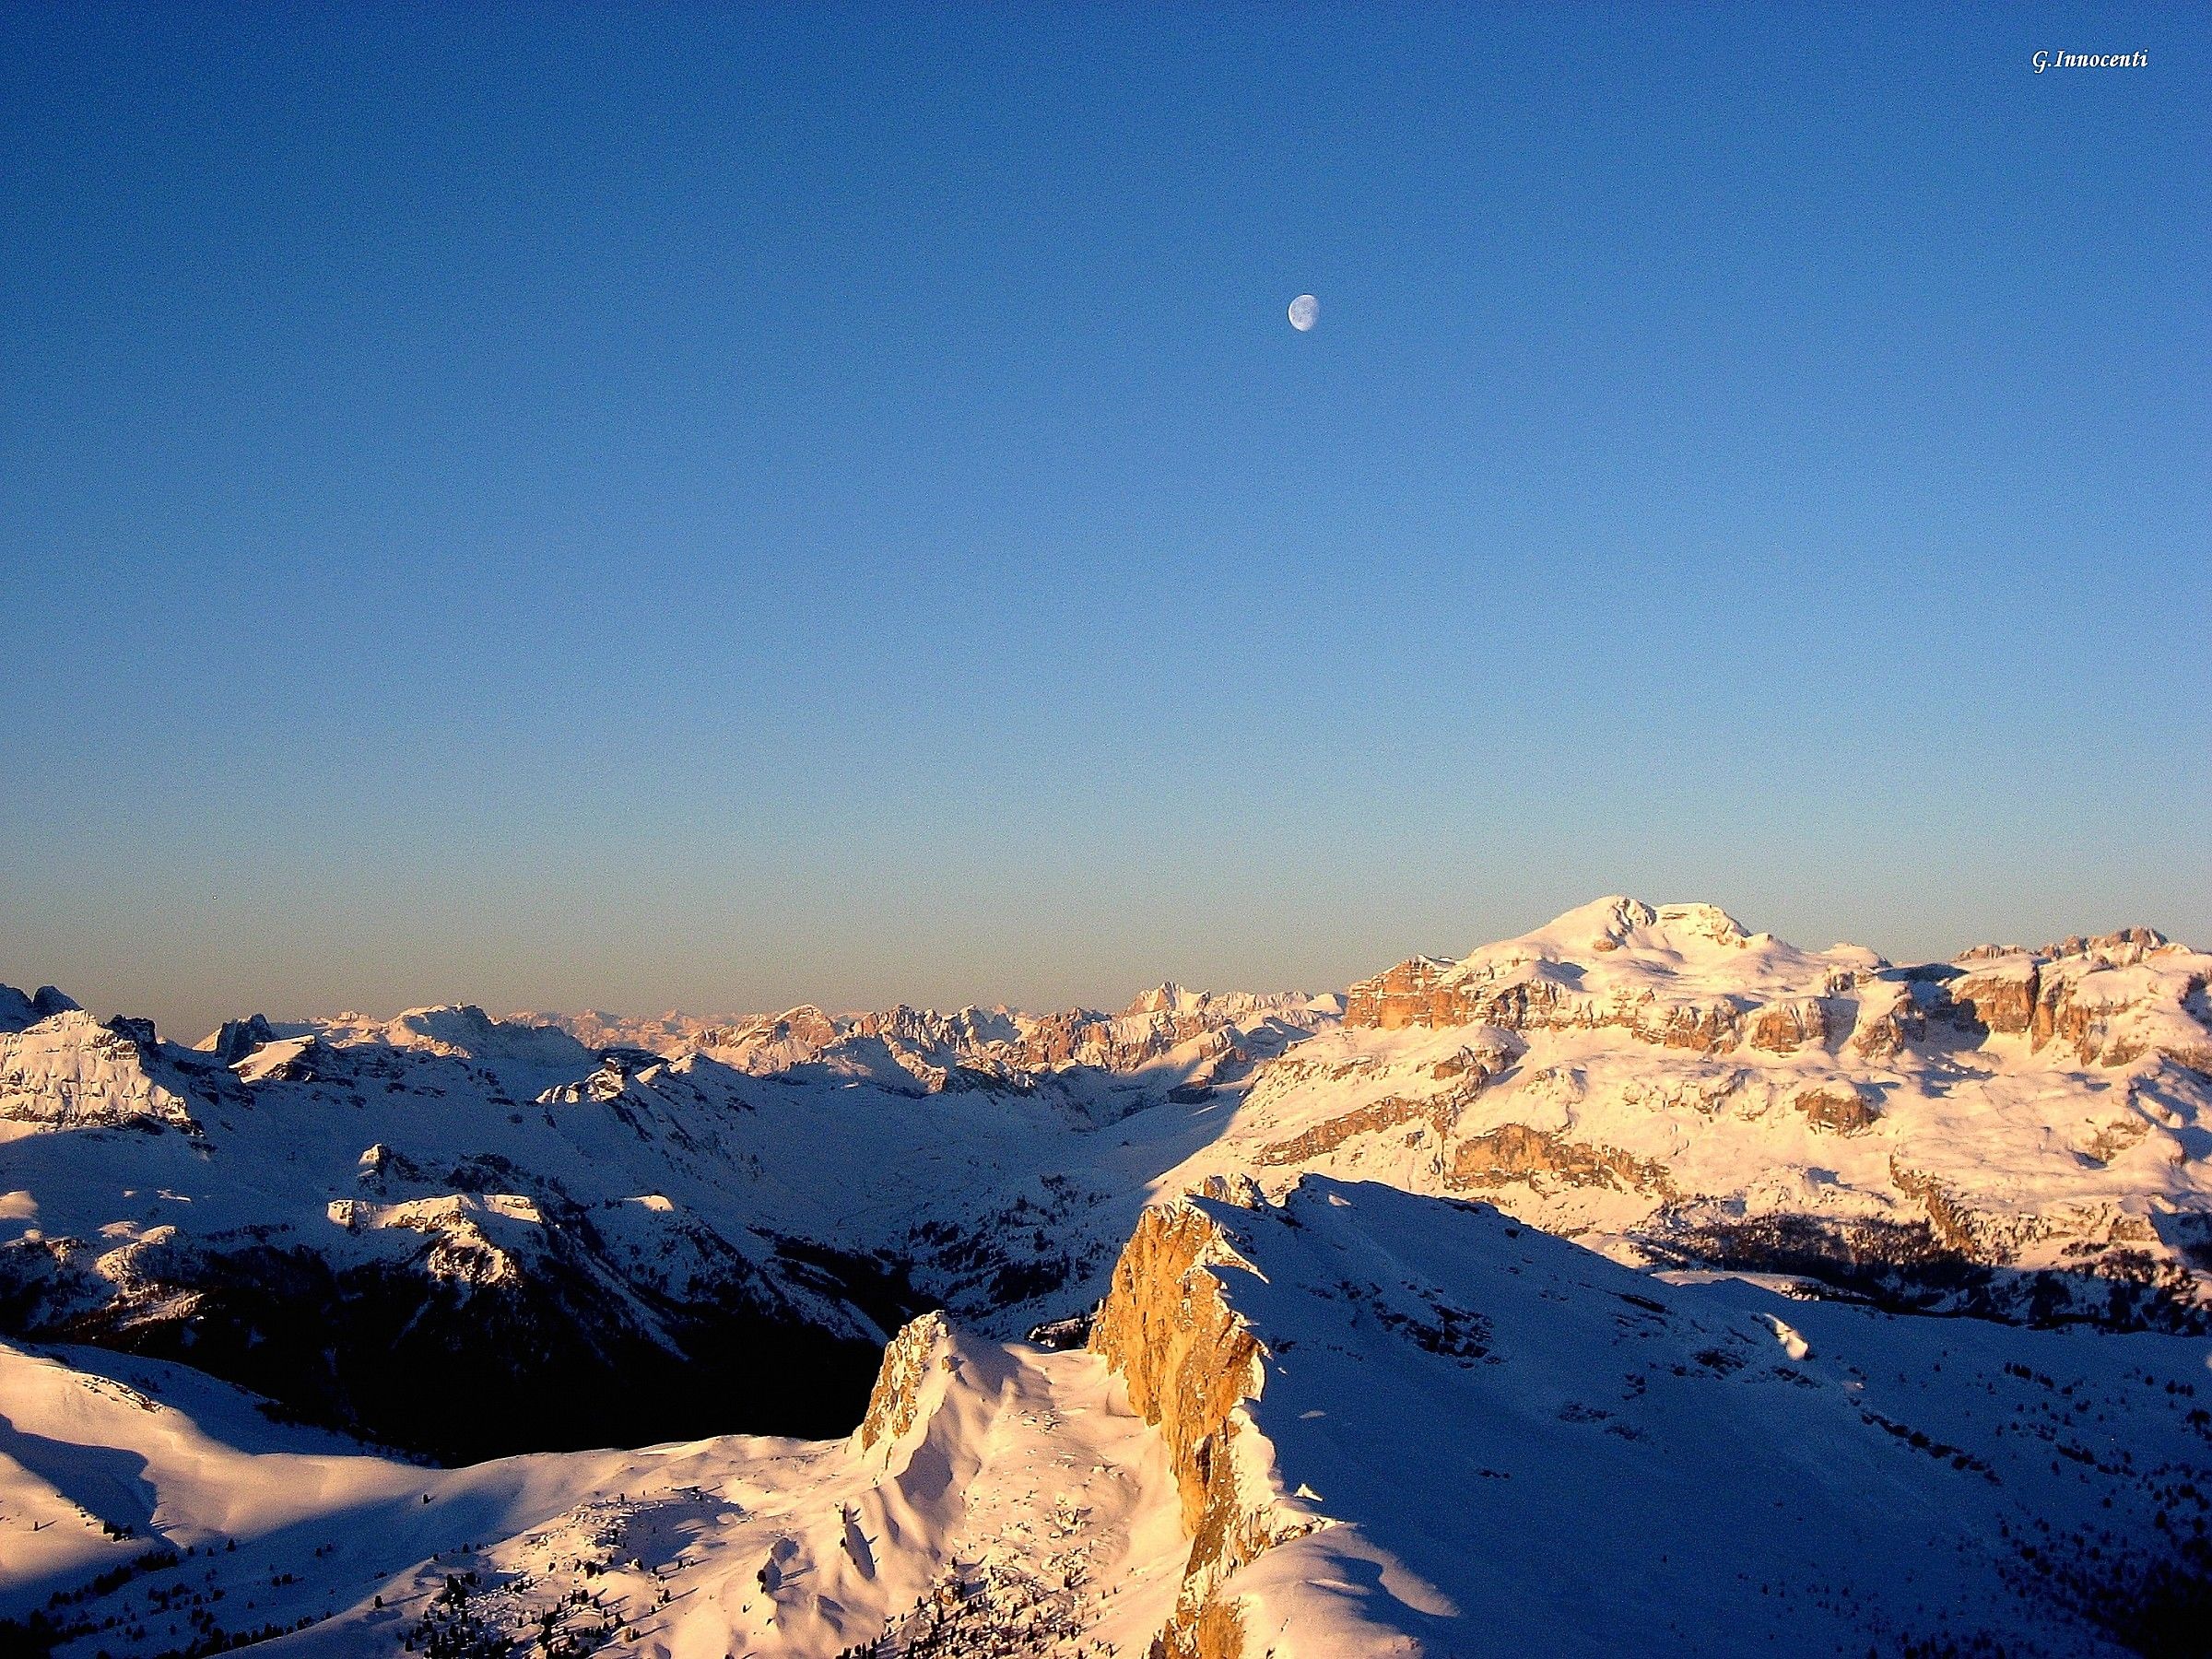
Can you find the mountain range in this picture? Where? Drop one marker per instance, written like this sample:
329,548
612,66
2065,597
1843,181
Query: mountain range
1690,1284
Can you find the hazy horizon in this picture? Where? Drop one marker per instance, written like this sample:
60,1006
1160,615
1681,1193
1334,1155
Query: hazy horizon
188,1020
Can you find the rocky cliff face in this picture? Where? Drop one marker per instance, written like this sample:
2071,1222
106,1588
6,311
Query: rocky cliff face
1379,1427
1191,1364
901,1396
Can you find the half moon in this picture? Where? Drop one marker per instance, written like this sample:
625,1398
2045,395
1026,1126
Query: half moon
1305,310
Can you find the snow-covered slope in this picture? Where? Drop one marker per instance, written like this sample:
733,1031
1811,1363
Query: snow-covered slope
145,1509
1361,1423
1409,1425
342,1217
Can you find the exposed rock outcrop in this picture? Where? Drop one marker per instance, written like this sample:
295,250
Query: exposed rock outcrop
2001,998
238,1038
897,1401
1411,994
1785,1028
1514,1152
1190,1364
1325,1138
1838,1108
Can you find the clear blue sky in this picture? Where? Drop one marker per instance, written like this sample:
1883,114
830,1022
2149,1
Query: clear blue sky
557,506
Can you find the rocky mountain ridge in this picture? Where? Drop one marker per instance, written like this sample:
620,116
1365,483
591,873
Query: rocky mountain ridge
923,1050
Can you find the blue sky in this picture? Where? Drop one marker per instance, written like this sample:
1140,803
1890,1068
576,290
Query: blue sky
707,507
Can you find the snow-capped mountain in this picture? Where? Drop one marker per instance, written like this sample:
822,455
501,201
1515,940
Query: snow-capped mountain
2021,1133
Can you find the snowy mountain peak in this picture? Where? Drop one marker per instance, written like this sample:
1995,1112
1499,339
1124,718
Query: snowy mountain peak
71,1070
1702,922
1675,971
1168,997
1615,919
1658,1074
1616,923
456,1030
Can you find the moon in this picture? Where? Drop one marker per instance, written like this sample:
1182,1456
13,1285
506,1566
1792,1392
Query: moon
1305,310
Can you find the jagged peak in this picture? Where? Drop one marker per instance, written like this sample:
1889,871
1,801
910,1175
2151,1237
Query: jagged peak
2120,948
2126,945
235,1038
18,1012
1167,997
